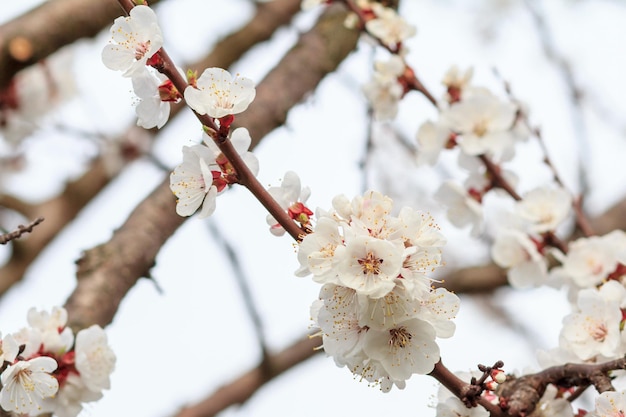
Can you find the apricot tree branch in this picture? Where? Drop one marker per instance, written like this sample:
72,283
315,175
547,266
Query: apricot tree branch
61,210
242,388
108,271
21,229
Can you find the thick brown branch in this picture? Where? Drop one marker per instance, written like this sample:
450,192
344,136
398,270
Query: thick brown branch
242,388
317,53
49,27
520,395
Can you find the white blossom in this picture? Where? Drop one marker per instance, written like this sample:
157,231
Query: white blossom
439,310
192,182
26,384
610,404
136,38
378,314
515,250
544,208
95,360
369,265
432,138
151,110
590,260
384,91
595,328
389,27
241,140
456,82
55,337
483,123
8,349
35,92
462,208
68,402
388,311
219,94
404,350
205,173
337,317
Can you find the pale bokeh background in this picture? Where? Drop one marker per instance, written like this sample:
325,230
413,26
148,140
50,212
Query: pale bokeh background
176,347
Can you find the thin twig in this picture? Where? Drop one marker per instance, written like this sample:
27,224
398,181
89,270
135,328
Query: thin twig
21,229
244,288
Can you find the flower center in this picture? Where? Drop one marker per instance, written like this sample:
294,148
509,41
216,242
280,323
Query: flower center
400,337
480,128
599,332
370,264
23,378
141,49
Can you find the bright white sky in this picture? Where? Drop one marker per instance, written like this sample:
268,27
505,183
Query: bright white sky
175,348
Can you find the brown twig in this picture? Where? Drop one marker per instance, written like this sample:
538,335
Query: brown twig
21,229
242,388
459,388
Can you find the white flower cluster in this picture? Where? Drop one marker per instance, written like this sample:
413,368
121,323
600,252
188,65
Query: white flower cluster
384,91
378,313
520,246
389,29
594,269
47,370
135,40
205,171
478,123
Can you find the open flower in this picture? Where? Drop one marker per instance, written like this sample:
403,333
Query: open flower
135,39
94,358
369,265
595,329
389,27
191,182
26,384
463,208
484,124
218,94
610,404
206,172
544,208
151,110
409,348
515,250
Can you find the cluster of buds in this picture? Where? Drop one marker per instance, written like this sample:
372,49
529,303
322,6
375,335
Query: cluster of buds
46,369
